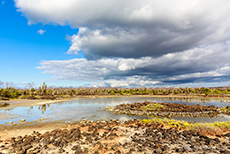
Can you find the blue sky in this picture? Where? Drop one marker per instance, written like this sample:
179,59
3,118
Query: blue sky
115,43
22,48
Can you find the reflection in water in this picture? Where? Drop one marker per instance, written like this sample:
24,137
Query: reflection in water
88,108
43,108
8,109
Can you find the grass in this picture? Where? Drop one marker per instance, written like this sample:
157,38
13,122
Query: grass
225,109
204,128
152,107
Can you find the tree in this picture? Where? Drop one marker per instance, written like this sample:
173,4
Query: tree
9,84
6,93
1,83
30,85
44,88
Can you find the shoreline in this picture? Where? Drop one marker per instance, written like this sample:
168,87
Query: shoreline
15,103
25,102
121,136
27,128
7,130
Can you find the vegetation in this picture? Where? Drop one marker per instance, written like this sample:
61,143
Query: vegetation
4,104
204,128
45,92
225,109
152,107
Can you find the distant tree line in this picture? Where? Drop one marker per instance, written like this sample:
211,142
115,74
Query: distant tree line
45,92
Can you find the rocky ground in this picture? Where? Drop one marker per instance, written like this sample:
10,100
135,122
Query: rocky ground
167,110
115,137
4,104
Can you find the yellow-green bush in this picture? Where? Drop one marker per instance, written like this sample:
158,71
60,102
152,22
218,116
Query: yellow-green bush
152,107
217,126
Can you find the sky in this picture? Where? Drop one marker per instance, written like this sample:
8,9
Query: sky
115,43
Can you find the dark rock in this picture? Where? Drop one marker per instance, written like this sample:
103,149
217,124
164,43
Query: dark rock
27,147
158,151
179,150
76,147
118,152
89,139
227,135
216,140
97,138
226,151
61,150
131,150
96,152
114,147
204,137
165,148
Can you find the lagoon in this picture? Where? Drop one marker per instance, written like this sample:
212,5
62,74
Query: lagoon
92,109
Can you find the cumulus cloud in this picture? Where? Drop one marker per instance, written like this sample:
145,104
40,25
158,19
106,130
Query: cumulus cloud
139,43
203,65
41,32
134,29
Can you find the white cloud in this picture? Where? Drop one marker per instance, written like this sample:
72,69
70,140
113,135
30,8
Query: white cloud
133,29
135,81
198,64
139,42
41,32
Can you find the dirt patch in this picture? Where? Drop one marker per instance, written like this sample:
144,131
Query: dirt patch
27,128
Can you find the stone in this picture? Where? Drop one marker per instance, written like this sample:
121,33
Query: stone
158,151
61,150
76,148
227,135
226,151
23,120
165,147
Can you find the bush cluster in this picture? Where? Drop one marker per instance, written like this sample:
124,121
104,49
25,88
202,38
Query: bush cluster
45,92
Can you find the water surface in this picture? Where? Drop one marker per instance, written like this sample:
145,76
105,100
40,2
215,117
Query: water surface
90,109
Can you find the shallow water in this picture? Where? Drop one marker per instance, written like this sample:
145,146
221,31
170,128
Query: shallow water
89,109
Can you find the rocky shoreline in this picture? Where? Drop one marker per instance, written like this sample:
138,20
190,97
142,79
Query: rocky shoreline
152,109
4,104
115,137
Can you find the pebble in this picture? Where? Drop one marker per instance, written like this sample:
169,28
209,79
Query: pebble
23,120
